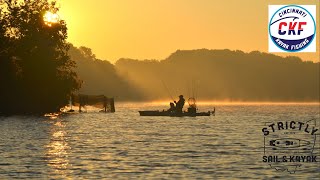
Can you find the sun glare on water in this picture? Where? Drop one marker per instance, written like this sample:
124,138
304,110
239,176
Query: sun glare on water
50,18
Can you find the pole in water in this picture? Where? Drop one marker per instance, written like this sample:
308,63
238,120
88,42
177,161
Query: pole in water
70,102
214,111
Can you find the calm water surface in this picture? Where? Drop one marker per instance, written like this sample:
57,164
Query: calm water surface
124,145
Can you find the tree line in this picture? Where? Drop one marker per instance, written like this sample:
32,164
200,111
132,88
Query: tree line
36,72
225,75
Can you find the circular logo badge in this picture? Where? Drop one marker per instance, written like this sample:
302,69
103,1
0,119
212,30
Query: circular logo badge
292,28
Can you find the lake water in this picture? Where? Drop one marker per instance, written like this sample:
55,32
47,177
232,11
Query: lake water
124,145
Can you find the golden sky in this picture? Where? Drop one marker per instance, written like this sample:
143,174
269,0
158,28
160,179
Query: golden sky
153,29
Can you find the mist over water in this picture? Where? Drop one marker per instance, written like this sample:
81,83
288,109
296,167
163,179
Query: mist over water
125,145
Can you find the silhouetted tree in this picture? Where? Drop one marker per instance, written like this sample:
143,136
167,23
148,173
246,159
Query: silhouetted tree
38,73
87,52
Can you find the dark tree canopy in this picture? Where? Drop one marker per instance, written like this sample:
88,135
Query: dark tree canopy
37,74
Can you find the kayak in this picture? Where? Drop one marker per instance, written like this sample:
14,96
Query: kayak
173,114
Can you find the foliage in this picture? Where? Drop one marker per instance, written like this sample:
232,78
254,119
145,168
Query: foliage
225,75
37,74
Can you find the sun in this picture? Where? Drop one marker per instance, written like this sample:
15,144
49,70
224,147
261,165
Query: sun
50,18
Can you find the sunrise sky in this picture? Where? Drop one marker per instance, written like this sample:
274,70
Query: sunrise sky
153,29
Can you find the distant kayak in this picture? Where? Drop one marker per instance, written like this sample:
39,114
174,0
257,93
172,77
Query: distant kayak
176,110
173,114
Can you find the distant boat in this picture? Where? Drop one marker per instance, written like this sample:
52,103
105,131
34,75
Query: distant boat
192,111
174,114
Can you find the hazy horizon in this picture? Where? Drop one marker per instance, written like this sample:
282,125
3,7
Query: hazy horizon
217,75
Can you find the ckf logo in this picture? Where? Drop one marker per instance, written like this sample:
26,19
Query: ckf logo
292,28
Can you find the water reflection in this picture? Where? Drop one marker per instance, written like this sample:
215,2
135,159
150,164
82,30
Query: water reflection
126,146
58,149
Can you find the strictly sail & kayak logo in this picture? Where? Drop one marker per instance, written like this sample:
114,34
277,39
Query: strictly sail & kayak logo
291,144
292,28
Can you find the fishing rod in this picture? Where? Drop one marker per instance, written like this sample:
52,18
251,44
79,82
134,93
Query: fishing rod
196,89
167,90
193,88
188,89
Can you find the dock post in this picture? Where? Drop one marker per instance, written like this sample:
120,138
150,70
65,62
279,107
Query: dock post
112,105
105,103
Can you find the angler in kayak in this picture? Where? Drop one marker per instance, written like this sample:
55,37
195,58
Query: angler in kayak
180,104
176,111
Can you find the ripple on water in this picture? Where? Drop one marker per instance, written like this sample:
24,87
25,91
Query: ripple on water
124,145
